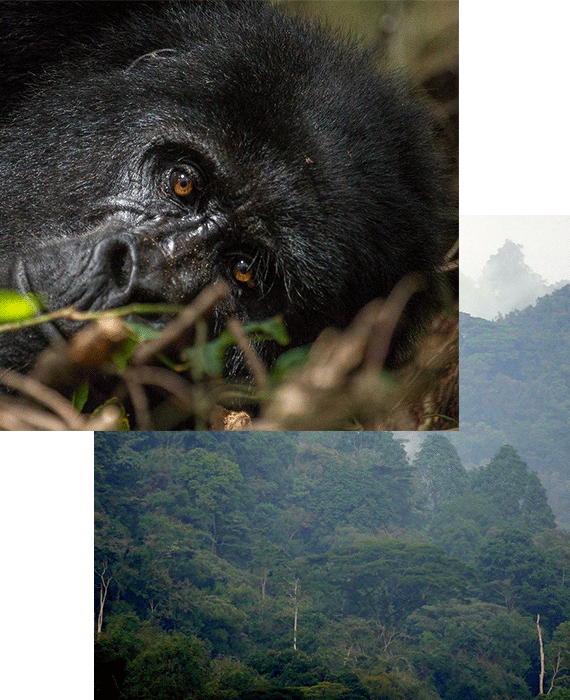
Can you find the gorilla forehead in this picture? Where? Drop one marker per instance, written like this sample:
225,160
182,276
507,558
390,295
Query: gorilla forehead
251,76
234,107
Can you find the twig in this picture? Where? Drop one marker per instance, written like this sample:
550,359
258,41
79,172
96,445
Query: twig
44,395
139,399
388,317
541,674
8,421
169,381
68,364
449,263
451,252
72,314
250,356
207,298
28,416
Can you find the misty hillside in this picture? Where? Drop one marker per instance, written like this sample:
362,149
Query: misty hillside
515,374
505,283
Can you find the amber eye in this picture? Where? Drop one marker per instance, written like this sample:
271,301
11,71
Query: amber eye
243,273
181,183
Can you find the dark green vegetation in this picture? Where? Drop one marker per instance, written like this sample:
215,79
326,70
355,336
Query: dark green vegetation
515,379
250,566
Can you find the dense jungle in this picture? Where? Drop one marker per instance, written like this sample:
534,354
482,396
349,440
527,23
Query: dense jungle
243,566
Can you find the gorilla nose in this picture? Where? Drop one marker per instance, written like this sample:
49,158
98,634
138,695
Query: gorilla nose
88,272
115,261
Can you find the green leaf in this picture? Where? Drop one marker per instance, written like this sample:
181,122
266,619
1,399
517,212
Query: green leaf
17,307
288,361
272,328
141,331
80,395
209,358
121,356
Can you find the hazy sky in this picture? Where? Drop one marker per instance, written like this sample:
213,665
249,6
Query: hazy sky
545,240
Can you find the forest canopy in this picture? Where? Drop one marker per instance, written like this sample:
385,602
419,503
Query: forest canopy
323,565
515,375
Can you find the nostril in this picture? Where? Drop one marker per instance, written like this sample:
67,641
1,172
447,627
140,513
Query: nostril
120,264
114,269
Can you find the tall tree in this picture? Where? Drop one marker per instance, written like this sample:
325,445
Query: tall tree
515,573
439,474
475,651
518,494
387,579
508,283
170,668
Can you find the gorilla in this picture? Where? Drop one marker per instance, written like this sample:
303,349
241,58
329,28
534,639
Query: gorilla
148,149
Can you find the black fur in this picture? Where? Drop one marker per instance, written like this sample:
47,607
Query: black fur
306,164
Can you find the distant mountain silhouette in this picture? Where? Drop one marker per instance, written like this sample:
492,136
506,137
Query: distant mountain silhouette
506,283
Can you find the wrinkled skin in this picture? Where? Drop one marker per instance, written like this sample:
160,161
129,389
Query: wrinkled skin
147,151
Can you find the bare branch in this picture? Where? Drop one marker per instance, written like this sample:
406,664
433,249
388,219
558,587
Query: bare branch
205,301
251,358
44,395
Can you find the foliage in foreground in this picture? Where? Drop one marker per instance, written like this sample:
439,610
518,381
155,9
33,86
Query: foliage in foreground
117,373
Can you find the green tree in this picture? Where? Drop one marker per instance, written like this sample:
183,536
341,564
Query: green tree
119,644
555,544
473,651
136,661
229,678
367,489
517,494
218,496
515,573
515,375
384,685
559,694
459,535
439,474
171,667
387,580
289,668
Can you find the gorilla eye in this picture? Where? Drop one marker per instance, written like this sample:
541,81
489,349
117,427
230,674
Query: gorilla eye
181,183
243,273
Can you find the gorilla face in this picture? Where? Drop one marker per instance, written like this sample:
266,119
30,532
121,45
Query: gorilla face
168,146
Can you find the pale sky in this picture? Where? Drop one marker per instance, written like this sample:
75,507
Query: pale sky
545,240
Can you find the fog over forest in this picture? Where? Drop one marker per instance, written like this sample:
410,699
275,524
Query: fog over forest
506,283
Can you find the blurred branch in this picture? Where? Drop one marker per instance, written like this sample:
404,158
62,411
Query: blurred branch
341,385
205,301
